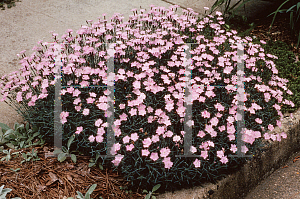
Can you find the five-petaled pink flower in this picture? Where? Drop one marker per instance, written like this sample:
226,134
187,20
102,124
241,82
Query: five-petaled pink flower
154,156
197,163
85,111
164,152
205,114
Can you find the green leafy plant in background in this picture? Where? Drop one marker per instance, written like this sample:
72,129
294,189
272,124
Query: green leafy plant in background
15,170
3,192
231,11
88,193
30,156
10,3
150,193
93,162
19,137
62,154
8,155
294,12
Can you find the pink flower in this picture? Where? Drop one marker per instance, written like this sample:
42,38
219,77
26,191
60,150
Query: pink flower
201,134
160,130
219,107
102,106
233,148
220,154
258,120
230,119
64,114
133,111
155,138
116,147
85,111
222,128
270,127
19,97
76,101
278,122
176,138
168,163
98,122
126,139
197,163
28,95
99,138
79,130
278,137
129,147
78,108
204,154
224,160
244,149
205,114
145,152
134,137
154,156
90,100
164,152
92,138
276,106
218,13
193,149
147,142
169,134
214,121
263,42
70,90
117,159
210,94
123,117
283,135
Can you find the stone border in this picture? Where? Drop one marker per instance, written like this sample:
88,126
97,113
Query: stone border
263,164
273,156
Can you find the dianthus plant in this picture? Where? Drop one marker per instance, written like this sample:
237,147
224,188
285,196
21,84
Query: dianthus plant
149,64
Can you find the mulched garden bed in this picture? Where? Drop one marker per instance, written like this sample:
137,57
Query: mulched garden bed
49,178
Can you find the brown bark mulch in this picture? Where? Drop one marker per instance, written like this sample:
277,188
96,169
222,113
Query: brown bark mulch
49,178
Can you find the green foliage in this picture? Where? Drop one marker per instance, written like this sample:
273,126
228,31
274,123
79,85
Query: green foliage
227,9
150,194
8,155
88,193
10,3
3,193
288,68
20,137
94,161
293,10
294,16
62,154
30,156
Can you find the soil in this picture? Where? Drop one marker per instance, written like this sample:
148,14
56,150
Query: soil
49,178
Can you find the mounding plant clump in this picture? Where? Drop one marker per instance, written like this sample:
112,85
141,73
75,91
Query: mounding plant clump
150,58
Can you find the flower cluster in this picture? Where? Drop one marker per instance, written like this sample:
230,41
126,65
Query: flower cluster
150,54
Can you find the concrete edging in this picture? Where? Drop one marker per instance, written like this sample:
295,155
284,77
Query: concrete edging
262,165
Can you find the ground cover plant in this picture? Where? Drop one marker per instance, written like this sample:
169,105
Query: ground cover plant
144,50
9,3
290,7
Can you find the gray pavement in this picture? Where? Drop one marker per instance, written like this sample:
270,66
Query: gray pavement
32,20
